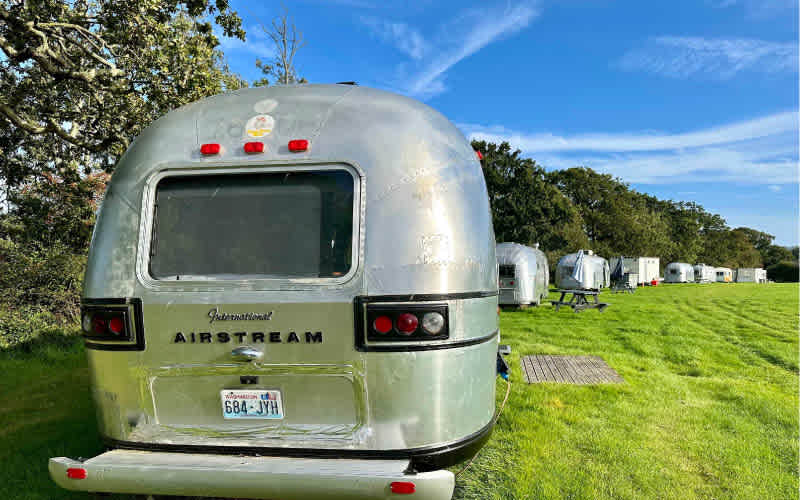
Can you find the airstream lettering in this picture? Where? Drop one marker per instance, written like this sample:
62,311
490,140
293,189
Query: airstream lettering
242,337
343,268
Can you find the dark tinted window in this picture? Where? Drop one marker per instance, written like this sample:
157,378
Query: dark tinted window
507,271
265,225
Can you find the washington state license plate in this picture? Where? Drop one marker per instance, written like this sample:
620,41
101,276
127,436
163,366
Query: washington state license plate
251,404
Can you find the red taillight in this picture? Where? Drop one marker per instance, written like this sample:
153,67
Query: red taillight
407,323
382,324
253,147
510,282
99,326
210,149
298,145
76,473
402,487
479,154
116,325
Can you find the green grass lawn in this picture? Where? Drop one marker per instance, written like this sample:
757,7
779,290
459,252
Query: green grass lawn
709,408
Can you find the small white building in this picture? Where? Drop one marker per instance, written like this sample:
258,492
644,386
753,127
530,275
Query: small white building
646,267
751,275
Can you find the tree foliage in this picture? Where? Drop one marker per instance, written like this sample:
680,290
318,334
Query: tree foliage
527,208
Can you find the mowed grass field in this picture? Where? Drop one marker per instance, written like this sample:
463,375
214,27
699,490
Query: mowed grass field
709,407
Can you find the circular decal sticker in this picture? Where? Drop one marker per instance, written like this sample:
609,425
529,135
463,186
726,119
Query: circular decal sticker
259,126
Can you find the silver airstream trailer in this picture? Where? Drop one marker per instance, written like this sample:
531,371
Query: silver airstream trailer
704,273
679,272
582,270
524,277
291,293
724,274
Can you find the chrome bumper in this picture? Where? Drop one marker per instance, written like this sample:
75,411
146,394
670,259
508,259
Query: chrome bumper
187,474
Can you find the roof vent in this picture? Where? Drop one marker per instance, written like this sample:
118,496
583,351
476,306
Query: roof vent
589,252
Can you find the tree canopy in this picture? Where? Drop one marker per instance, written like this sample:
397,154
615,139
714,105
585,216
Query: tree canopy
564,210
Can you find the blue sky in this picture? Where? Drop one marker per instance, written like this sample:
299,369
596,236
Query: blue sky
685,100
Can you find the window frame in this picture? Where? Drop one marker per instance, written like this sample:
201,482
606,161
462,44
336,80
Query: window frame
148,219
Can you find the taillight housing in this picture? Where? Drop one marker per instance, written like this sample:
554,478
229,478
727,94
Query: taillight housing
112,324
406,322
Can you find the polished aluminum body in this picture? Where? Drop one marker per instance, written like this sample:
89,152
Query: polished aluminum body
704,273
647,268
678,272
422,227
751,275
595,275
529,282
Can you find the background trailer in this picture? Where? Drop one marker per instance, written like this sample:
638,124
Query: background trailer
723,274
583,270
704,273
679,272
523,274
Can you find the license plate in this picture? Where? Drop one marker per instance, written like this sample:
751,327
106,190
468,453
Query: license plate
252,404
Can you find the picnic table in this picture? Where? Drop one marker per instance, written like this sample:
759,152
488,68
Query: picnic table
623,286
579,300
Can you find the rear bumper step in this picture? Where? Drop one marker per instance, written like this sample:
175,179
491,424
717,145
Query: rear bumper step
207,475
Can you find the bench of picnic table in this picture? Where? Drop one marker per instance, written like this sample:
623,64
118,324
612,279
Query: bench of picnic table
578,302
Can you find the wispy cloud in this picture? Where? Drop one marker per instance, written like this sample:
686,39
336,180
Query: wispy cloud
405,38
455,40
256,42
720,58
757,8
759,151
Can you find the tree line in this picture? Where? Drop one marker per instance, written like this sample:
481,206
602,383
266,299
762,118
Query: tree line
567,210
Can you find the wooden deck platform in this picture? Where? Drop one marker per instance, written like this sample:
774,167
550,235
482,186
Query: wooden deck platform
580,370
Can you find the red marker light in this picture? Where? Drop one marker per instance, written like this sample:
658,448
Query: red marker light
76,473
99,325
210,149
116,325
298,145
253,147
480,155
382,324
407,323
402,487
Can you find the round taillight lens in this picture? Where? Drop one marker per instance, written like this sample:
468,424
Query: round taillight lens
433,323
86,323
382,324
99,326
116,325
407,323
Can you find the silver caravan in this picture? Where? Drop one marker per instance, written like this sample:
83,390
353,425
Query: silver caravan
291,293
704,273
751,275
679,272
582,270
723,274
647,268
524,277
